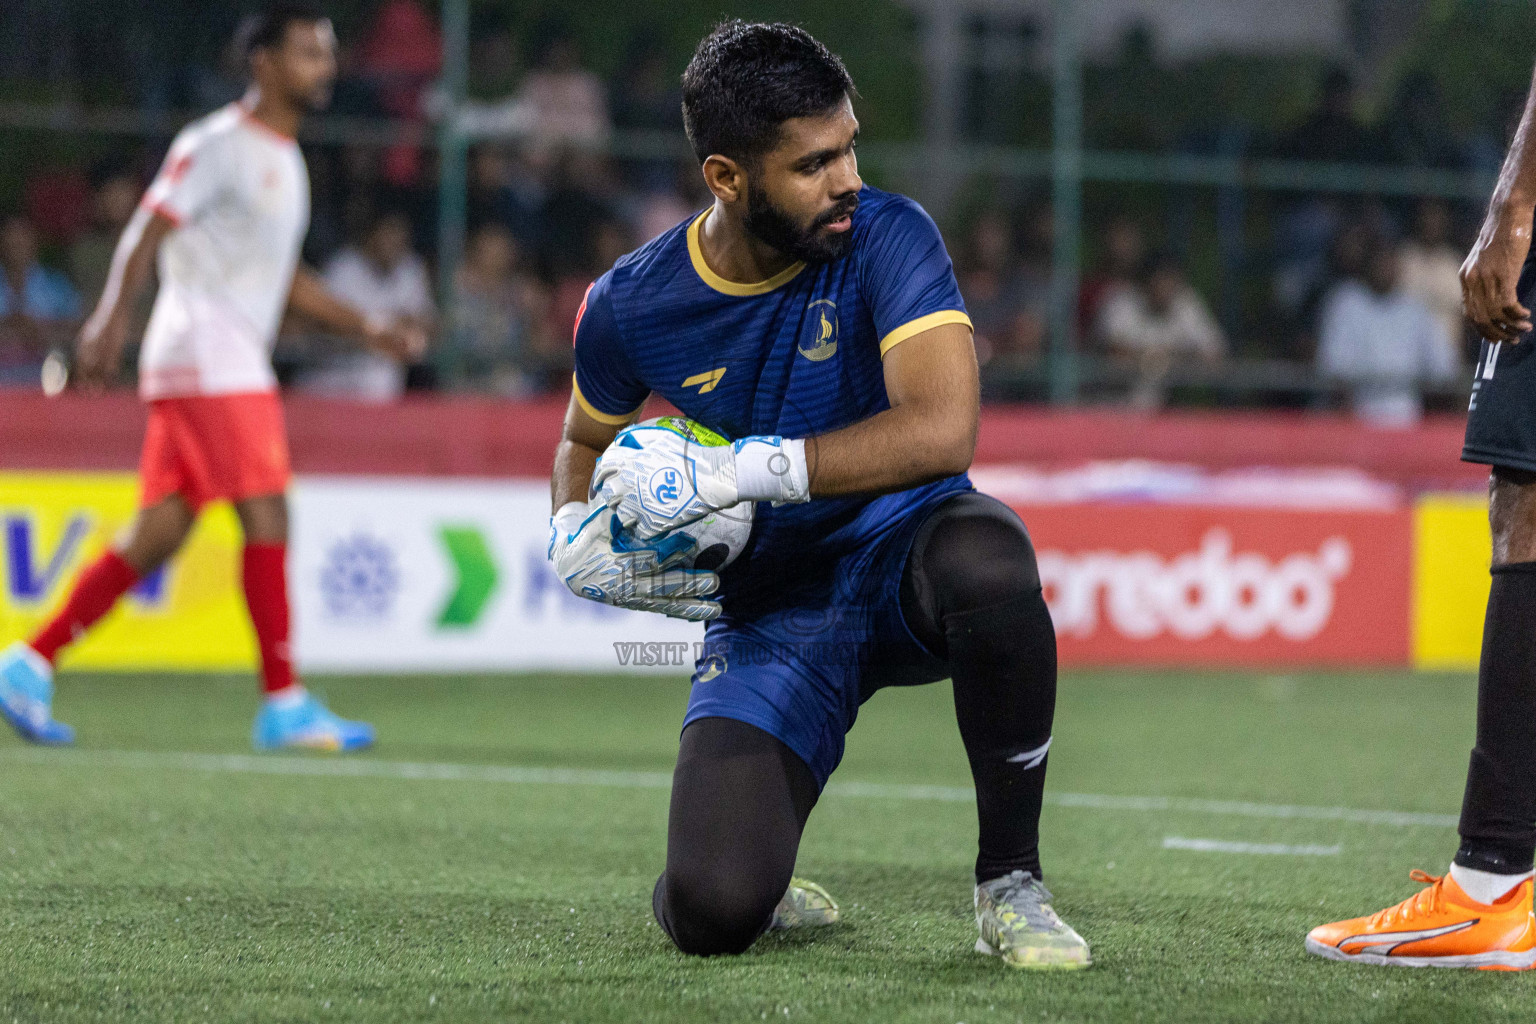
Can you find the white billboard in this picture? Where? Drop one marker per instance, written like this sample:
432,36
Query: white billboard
405,575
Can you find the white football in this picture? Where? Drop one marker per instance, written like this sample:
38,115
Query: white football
721,536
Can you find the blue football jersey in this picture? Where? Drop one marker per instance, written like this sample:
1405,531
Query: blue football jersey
796,355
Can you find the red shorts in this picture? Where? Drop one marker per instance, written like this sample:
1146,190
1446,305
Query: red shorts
214,446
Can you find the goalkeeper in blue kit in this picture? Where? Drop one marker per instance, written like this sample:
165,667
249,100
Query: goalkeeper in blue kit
816,322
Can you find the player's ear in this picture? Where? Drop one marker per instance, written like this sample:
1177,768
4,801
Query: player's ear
725,178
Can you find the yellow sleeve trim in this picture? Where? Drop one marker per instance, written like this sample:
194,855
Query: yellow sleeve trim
912,328
597,414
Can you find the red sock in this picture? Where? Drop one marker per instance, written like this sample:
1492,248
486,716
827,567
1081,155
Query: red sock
96,591
266,595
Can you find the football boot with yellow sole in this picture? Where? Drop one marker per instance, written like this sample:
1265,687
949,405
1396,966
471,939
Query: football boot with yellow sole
1017,922
805,905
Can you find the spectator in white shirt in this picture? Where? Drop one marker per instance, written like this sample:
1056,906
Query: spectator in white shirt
560,102
1383,343
389,283
1430,269
500,330
1161,320
568,101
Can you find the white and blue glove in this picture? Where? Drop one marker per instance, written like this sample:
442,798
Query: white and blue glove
598,562
670,481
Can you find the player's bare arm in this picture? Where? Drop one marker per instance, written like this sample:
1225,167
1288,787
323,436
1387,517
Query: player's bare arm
582,441
1492,270
1489,281
928,433
100,347
310,298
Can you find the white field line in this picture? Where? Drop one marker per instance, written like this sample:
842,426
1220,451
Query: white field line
1245,809
369,768
1263,849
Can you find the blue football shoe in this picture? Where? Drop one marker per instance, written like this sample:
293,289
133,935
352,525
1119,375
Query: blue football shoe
302,721
26,697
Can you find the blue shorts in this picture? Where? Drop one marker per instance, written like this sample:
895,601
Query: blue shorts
800,670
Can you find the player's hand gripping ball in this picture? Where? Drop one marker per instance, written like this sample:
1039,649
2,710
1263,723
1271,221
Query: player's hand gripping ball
668,473
600,563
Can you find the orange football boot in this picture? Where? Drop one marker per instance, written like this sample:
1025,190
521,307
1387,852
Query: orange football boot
1440,926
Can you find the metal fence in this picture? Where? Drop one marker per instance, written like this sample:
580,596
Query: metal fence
1064,175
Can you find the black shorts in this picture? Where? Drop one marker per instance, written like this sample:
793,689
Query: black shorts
1501,424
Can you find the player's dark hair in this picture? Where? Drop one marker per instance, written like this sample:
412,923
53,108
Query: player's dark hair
745,80
267,30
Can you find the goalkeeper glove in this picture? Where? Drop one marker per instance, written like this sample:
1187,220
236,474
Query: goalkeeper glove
669,481
601,564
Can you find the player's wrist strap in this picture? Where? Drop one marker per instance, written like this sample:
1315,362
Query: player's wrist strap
772,469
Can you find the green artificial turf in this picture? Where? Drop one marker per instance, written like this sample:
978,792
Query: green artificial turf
161,872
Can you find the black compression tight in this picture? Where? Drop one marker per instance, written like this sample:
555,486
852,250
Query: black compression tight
740,799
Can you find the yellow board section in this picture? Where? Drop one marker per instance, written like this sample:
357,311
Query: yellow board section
190,617
1452,552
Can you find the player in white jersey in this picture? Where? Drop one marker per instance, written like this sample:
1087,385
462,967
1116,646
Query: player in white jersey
236,194
225,218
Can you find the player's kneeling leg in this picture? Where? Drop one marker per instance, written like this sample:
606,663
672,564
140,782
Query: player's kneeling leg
971,593
740,798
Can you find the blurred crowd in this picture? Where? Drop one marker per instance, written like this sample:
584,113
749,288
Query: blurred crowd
1381,319
1363,291
545,215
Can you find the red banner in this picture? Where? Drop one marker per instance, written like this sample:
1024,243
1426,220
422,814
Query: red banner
1171,585
463,435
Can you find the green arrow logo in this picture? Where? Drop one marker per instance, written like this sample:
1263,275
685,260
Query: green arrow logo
477,576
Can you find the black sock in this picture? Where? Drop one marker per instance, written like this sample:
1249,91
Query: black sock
1498,813
1003,661
971,594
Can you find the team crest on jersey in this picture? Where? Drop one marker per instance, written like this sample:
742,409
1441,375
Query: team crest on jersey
710,667
822,343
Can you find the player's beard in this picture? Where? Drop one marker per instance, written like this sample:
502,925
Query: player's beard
772,226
